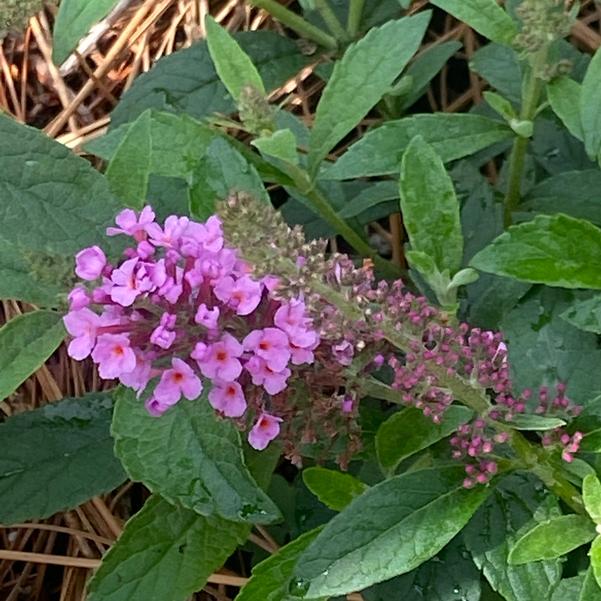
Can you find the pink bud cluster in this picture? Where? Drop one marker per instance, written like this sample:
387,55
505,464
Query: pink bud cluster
179,309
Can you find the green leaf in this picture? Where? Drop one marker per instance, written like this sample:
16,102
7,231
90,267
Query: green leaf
186,81
74,19
29,277
409,431
595,556
564,97
573,192
222,170
165,552
501,67
590,107
453,136
281,145
585,315
430,207
270,580
485,16
591,591
423,263
369,66
190,458
56,457
589,422
129,169
501,105
536,422
557,251
554,538
25,343
334,489
568,588
377,537
544,349
503,519
591,495
233,65
52,200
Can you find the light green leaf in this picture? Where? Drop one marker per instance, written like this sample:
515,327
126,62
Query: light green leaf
234,67
595,556
585,315
52,200
536,422
430,207
360,79
453,136
56,457
25,343
485,16
186,81
501,105
423,263
165,552
464,277
590,107
503,519
557,251
334,489
591,495
222,170
212,477
270,580
129,169
377,537
281,145
409,431
74,19
553,538
564,97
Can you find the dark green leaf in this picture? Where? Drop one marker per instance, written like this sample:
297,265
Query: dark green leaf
589,423
376,193
25,343
56,457
585,315
591,591
74,19
498,524
189,457
430,207
165,552
564,97
544,349
575,193
332,488
371,66
485,16
409,431
233,65
52,200
186,81
557,251
590,107
552,538
568,589
270,580
500,66
377,537
591,495
453,136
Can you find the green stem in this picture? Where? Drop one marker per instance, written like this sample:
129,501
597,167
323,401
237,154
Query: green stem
331,20
355,12
531,94
296,23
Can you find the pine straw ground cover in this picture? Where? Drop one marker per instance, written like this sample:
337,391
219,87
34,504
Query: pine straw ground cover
52,559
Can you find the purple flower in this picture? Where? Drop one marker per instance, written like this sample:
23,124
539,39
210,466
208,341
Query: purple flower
82,325
114,356
273,381
89,263
139,377
177,381
78,298
228,398
243,294
271,344
163,335
170,234
200,237
130,224
220,359
129,283
207,317
266,428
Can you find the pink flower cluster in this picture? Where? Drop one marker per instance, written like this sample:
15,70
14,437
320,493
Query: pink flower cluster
181,309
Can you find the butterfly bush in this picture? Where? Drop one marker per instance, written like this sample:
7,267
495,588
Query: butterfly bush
287,339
